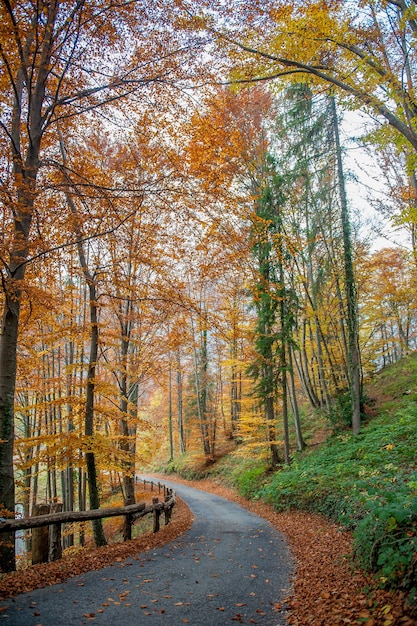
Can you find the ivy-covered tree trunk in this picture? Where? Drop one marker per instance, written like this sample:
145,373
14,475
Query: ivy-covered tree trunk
284,336
264,369
350,286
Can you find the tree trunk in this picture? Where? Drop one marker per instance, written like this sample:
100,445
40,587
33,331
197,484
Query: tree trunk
180,405
294,404
125,445
170,427
352,316
7,388
93,490
269,410
8,351
200,371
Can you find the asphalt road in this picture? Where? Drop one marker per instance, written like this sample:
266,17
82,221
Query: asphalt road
230,567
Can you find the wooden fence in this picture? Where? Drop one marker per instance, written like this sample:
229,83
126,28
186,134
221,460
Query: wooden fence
54,521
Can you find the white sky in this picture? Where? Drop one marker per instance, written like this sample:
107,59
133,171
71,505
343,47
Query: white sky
369,184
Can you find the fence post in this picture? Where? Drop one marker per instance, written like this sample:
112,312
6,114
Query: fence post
156,514
55,544
127,528
168,509
40,536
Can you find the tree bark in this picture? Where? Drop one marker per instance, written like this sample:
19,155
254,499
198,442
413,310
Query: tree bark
352,314
181,435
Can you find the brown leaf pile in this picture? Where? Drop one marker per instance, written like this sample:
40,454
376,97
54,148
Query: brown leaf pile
326,591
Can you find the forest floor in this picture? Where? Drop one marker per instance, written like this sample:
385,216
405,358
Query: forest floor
326,590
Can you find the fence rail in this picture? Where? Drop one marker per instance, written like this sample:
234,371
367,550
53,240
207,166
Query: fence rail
132,513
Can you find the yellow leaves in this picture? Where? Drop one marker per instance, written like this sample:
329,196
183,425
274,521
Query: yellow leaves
304,32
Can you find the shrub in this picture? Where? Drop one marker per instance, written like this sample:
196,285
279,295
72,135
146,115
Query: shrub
386,538
368,484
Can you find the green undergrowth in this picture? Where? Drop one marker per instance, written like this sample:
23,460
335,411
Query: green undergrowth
367,484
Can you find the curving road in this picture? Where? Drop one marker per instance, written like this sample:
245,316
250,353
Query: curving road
230,567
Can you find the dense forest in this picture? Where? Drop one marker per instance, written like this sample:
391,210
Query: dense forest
186,257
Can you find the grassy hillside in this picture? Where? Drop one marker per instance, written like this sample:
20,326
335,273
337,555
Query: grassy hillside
366,483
